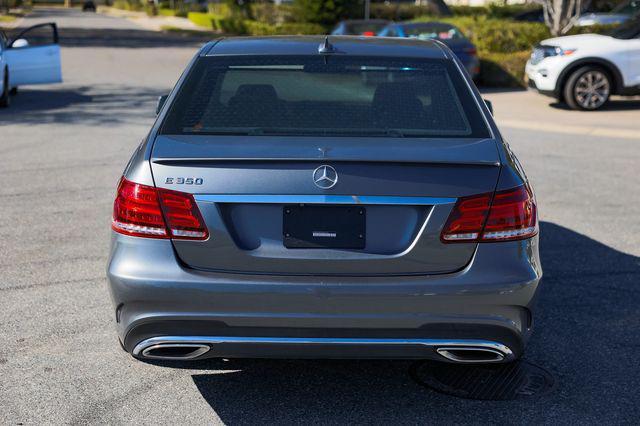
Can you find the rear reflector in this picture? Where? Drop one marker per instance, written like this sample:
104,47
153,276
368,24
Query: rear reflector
504,216
146,211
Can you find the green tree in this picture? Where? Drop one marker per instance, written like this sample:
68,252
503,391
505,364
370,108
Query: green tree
561,15
327,12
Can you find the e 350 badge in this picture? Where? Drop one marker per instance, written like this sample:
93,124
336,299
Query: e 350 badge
183,181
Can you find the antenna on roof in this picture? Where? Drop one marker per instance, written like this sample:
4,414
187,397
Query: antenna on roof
326,47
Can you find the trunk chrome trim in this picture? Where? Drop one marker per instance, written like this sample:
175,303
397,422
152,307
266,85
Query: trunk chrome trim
439,345
322,199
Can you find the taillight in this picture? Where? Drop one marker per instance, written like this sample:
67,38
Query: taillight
146,211
503,216
467,218
136,211
182,215
368,34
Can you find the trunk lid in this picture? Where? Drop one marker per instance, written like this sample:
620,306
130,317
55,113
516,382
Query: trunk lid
406,186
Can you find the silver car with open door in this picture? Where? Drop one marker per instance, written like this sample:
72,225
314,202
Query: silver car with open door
31,57
321,197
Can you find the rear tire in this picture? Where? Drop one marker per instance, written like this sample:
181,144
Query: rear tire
4,97
588,88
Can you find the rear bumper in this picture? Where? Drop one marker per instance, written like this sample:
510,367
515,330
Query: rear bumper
490,300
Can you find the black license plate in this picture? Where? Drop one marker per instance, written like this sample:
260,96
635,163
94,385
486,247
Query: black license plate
324,226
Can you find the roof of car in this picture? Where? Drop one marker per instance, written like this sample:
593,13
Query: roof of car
308,45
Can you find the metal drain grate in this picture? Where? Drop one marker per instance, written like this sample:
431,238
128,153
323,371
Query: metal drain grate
485,382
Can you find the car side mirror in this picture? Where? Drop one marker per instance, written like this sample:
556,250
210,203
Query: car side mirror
21,42
489,105
161,100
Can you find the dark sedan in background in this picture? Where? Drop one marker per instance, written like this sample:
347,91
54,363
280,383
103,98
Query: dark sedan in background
361,27
446,33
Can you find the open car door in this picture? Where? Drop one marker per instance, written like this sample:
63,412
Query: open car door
34,56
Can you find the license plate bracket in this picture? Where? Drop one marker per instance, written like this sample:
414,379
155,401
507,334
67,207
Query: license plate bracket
328,227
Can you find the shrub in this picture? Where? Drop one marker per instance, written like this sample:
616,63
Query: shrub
260,28
498,35
132,5
509,10
219,23
398,11
229,25
201,19
150,9
464,10
167,12
273,14
502,69
507,36
218,9
326,13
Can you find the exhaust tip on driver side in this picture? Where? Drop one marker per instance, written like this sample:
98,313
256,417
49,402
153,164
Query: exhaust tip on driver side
471,354
175,351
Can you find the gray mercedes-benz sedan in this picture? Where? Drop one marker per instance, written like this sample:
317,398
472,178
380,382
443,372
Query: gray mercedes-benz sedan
316,197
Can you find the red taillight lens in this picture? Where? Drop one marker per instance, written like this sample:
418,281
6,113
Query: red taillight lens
513,216
471,51
141,210
467,219
368,34
510,215
183,217
136,211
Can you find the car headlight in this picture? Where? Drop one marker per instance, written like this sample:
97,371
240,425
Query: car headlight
558,51
544,51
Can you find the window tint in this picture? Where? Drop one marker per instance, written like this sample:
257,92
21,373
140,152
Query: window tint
326,96
433,30
628,8
365,27
38,35
627,30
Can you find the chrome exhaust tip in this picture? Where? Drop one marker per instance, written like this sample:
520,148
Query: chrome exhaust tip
471,354
174,351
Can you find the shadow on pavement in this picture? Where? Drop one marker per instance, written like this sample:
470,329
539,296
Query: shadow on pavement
130,39
613,105
116,37
102,104
587,335
487,90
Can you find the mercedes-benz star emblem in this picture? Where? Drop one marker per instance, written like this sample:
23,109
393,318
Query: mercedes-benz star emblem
325,177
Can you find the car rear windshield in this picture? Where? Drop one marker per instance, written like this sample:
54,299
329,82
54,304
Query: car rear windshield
365,27
433,30
332,96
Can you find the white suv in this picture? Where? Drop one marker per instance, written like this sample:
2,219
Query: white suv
584,70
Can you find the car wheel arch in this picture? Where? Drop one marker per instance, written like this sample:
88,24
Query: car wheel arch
610,67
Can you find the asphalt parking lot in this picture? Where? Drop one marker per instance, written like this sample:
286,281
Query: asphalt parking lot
62,150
